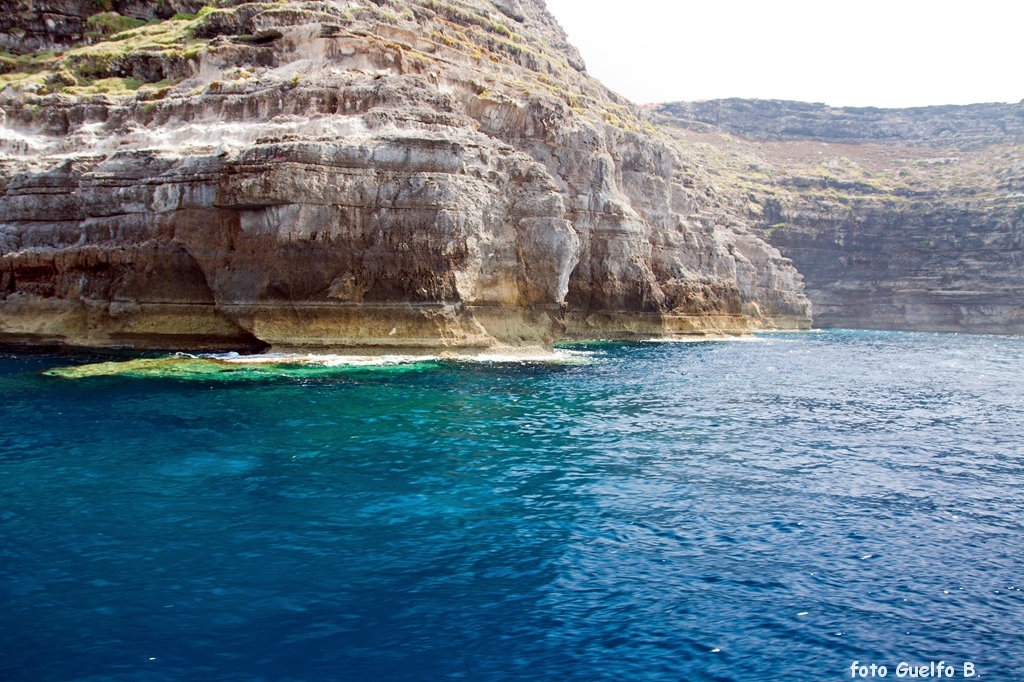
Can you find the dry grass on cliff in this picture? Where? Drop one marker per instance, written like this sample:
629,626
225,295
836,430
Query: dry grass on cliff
837,175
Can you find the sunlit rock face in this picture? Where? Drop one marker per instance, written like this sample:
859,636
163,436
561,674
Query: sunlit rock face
350,175
897,218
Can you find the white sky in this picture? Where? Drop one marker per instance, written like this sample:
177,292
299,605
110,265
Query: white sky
899,53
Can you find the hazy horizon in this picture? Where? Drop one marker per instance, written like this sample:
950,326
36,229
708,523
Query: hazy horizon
868,54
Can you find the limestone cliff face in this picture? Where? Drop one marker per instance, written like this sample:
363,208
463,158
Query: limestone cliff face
349,175
897,219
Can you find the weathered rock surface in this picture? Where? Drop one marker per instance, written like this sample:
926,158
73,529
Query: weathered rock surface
358,175
897,219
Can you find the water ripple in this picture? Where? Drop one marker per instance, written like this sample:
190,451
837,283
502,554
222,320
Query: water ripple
709,511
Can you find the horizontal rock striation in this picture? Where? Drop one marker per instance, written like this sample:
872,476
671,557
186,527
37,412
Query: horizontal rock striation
918,226
360,175
932,265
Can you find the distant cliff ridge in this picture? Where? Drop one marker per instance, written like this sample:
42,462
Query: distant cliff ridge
897,218
960,125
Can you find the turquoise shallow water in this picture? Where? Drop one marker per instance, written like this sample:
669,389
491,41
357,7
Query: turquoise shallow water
772,509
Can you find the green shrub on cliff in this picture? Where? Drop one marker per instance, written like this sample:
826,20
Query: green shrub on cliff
111,23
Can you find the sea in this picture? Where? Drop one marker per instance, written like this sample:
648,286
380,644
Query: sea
804,506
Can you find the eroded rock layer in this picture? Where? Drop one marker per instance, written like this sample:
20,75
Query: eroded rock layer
350,175
898,219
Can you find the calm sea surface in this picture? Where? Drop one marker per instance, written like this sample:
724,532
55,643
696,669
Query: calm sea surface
759,510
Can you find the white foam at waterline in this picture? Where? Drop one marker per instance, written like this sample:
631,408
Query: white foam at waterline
559,356
746,338
324,360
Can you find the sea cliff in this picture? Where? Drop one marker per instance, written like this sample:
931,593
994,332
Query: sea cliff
897,218
349,175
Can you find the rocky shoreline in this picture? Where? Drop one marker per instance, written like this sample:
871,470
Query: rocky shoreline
414,176
368,174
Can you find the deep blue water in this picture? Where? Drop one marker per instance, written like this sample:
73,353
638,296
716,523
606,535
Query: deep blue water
762,510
